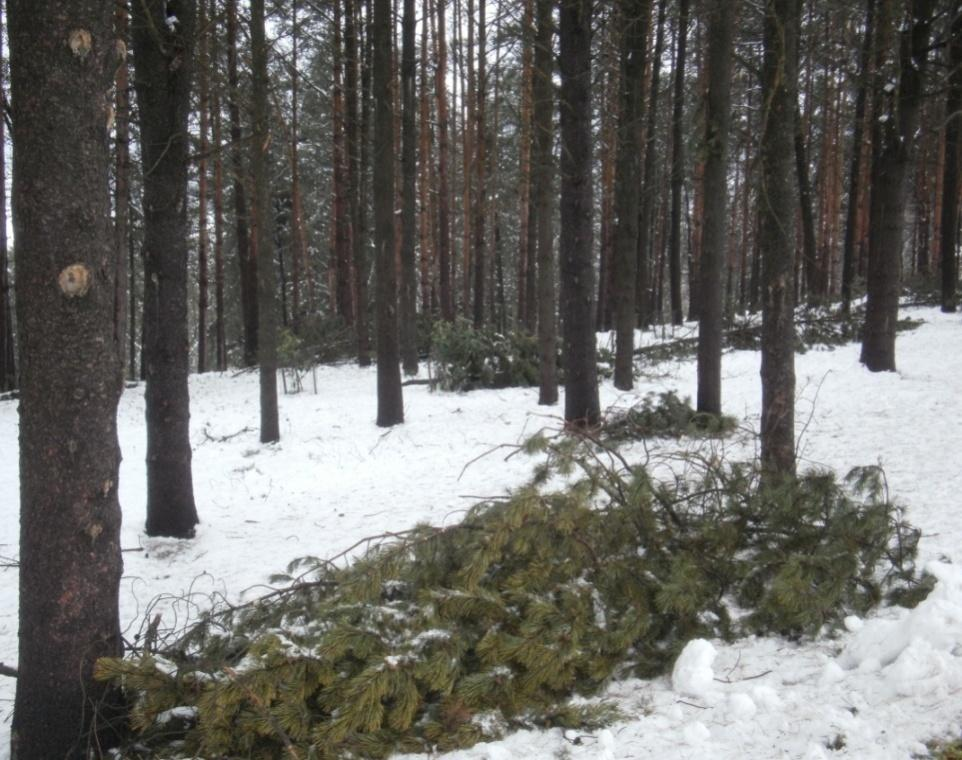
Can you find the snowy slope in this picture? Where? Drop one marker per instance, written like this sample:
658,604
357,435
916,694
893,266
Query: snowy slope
880,690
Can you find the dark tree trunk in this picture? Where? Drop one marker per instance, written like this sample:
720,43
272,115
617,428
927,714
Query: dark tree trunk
949,231
809,255
121,182
444,193
63,59
720,16
677,163
163,68
855,170
203,238
341,224
390,403
644,301
479,207
582,407
409,169
526,236
355,128
894,151
218,137
8,366
246,259
778,203
635,18
266,281
542,180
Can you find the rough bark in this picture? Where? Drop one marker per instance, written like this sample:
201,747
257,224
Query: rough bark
479,207
721,32
246,259
582,407
8,366
526,306
677,163
266,281
163,64
409,169
949,231
444,193
891,166
218,138
343,294
778,202
390,403
805,200
63,59
542,180
121,182
203,237
636,14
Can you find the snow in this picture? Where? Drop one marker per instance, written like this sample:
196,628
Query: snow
876,690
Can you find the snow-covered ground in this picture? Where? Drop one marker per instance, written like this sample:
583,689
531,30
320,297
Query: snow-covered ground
879,690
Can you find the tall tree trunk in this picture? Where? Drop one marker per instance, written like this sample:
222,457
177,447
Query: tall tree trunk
582,407
203,240
71,373
891,167
425,172
390,403
809,255
8,367
949,232
608,149
644,301
542,181
340,211
444,192
300,259
720,18
635,18
677,162
778,203
220,332
480,195
409,169
121,184
266,282
356,134
526,312
246,259
163,64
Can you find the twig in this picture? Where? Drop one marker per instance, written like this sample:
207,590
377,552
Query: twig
225,438
6,670
692,704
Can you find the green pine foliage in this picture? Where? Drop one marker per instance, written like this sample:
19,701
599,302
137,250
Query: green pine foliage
467,358
442,637
664,415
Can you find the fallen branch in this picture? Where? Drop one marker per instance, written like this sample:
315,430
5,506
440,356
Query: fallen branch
6,670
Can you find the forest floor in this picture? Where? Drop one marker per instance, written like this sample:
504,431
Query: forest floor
880,689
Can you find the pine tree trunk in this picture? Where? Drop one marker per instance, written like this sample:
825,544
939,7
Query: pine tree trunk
582,407
609,151
299,254
526,318
677,163
891,167
644,300
163,64
778,203
390,404
809,255
8,367
425,174
71,375
266,283
246,259
218,138
444,193
542,180
340,211
121,183
720,18
635,18
480,193
203,241
409,169
949,232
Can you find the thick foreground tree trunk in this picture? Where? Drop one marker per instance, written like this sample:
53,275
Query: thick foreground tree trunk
63,59
162,73
582,407
776,236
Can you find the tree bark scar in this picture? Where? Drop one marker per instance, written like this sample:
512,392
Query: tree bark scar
74,281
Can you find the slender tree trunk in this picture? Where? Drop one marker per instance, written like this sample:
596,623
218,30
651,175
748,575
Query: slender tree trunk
608,159
8,367
203,240
246,260
582,407
300,259
891,167
409,169
356,134
480,194
121,182
720,18
218,137
444,192
266,283
542,180
340,211
635,18
644,301
949,232
390,404
163,68
778,203
425,173
526,311
71,372
677,162
809,255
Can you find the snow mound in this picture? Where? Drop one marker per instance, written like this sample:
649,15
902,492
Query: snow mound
693,675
